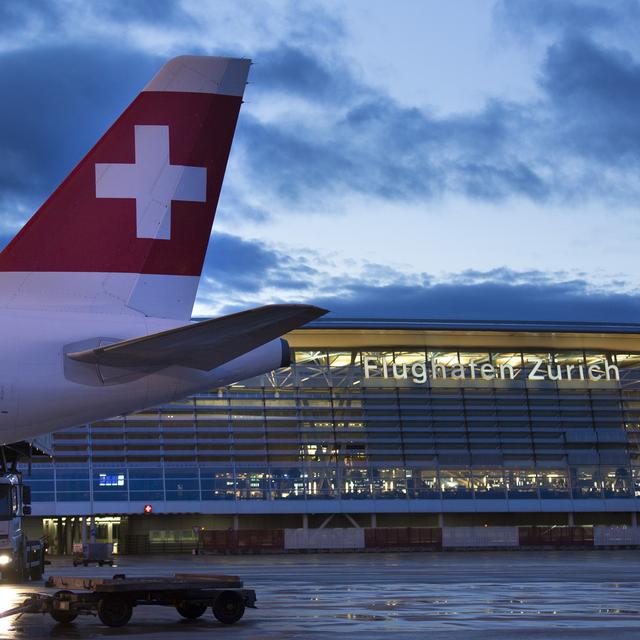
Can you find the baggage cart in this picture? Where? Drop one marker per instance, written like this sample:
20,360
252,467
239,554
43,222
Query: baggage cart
114,599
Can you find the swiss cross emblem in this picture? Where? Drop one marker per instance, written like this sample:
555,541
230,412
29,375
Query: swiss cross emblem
152,181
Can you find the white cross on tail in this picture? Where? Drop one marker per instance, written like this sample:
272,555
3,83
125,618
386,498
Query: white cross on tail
152,181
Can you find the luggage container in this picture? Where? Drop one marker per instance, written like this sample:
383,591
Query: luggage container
100,553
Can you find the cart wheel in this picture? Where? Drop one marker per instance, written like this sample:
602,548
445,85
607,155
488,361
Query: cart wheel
85,563
100,563
191,610
75,564
62,615
228,607
114,611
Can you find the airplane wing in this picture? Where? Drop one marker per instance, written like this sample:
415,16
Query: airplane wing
207,344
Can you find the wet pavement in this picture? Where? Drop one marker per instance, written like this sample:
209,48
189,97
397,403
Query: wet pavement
523,595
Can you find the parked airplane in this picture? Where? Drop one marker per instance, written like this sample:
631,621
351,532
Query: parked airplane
97,289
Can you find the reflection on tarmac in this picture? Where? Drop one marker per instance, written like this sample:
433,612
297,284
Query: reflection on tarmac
417,595
8,598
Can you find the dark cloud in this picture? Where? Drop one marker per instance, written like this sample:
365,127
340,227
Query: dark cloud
149,12
243,271
238,263
582,15
368,143
591,84
504,275
56,103
246,266
485,181
569,301
41,19
293,71
17,16
291,165
58,99
378,147
311,25
594,93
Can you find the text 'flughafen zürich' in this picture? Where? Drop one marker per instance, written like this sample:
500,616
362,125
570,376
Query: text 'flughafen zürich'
536,369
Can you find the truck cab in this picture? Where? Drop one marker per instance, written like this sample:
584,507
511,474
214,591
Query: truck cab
20,558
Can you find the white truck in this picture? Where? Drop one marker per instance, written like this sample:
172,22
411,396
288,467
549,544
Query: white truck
20,559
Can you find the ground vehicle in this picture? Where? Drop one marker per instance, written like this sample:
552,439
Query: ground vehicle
113,599
20,559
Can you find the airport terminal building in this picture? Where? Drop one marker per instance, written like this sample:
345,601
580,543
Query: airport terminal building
376,423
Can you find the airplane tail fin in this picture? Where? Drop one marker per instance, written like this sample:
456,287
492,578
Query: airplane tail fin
128,229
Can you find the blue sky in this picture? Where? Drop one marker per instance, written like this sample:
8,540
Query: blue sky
476,159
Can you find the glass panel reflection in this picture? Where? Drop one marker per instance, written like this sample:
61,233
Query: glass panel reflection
389,483
586,482
424,483
616,482
456,483
522,484
554,484
489,483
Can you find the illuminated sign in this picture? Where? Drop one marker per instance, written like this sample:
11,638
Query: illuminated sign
111,479
537,369
148,508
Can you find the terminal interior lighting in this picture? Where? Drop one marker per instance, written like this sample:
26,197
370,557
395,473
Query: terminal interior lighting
4,560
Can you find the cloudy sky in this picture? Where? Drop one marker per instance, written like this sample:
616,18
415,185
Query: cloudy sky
467,159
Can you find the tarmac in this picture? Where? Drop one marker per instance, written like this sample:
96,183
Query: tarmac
453,595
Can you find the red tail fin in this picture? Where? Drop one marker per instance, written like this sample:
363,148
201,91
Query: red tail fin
142,201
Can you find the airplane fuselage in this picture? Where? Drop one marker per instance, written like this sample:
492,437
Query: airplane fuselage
42,390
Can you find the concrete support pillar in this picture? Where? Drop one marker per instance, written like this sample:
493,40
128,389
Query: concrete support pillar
68,536
570,520
374,520
92,529
441,520
634,519
236,522
60,537
305,521
84,532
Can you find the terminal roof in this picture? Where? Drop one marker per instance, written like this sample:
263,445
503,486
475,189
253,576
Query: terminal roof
475,325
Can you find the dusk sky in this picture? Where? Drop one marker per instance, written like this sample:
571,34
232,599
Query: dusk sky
467,159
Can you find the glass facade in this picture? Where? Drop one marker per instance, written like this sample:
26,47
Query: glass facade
384,423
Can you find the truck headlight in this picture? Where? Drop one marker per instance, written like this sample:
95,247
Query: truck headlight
4,560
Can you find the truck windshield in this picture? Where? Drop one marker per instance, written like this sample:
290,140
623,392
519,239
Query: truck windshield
5,501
